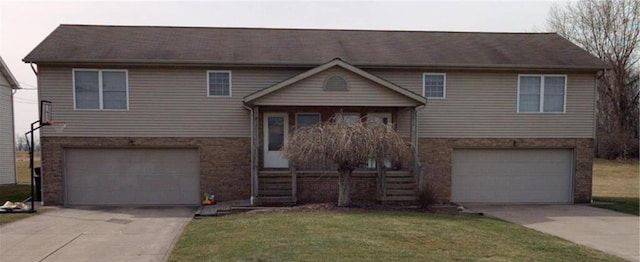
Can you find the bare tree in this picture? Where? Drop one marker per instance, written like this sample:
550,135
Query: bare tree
21,143
349,145
609,30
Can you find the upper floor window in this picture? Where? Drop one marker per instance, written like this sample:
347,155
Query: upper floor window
542,93
100,89
434,85
219,83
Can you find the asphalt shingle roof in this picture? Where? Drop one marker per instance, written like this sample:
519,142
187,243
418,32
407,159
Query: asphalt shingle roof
307,47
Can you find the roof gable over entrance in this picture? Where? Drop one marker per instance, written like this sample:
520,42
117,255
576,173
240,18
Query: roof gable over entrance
363,89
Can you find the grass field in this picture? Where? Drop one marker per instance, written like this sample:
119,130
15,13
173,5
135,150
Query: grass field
24,173
617,182
370,236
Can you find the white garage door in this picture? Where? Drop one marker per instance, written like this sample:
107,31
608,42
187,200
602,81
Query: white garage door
512,176
132,176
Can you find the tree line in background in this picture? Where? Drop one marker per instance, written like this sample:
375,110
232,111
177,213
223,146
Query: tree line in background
22,143
610,30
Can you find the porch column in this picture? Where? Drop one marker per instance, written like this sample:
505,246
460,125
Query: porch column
414,129
255,144
417,167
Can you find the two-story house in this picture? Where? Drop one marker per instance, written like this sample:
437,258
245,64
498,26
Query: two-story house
160,115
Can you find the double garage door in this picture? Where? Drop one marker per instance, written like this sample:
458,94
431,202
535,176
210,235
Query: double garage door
132,176
512,175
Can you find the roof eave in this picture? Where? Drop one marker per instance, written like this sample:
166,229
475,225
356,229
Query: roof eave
457,66
4,69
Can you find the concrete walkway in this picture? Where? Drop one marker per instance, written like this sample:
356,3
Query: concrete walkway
105,234
611,232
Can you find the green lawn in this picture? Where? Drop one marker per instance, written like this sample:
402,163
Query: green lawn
617,182
13,193
370,236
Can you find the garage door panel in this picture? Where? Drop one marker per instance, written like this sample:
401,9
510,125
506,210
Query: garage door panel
132,176
512,176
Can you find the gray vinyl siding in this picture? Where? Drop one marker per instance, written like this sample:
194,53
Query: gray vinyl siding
163,102
7,140
360,92
483,104
173,102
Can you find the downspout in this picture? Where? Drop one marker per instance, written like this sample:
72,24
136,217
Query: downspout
252,156
33,69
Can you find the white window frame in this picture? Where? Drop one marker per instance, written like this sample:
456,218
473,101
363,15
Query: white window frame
307,113
541,109
444,85
100,91
343,114
230,82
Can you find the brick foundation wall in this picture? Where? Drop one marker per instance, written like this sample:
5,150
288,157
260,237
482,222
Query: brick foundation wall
436,153
224,162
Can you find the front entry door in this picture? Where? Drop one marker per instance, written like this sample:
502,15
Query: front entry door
276,131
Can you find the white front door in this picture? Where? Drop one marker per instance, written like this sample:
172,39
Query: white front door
276,132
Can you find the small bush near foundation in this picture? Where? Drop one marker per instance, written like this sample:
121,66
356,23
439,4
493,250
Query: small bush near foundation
429,196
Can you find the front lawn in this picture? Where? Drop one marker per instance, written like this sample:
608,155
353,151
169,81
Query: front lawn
370,236
617,182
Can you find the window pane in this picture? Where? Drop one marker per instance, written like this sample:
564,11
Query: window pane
348,119
529,94
276,133
554,94
307,120
114,90
219,84
434,85
86,84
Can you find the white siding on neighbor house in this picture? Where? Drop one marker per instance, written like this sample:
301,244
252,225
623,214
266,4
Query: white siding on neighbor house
7,144
360,92
483,104
166,102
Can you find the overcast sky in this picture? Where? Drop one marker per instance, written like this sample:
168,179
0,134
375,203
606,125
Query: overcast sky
24,24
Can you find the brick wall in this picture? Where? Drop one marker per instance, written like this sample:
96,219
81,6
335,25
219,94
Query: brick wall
436,153
225,165
224,162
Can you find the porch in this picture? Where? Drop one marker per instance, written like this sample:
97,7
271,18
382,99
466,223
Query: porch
275,181
314,96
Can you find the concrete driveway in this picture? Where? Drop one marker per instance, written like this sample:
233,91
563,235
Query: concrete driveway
611,232
104,234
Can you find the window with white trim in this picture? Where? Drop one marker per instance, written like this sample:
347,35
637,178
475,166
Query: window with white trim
219,83
100,89
307,119
347,119
434,85
542,93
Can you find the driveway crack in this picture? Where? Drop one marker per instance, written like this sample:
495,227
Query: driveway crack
57,249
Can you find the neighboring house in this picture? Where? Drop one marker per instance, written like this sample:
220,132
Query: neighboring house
161,115
8,84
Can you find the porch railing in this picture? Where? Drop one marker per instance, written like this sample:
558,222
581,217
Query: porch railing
279,186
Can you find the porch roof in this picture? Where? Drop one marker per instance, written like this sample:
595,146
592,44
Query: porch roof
403,96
